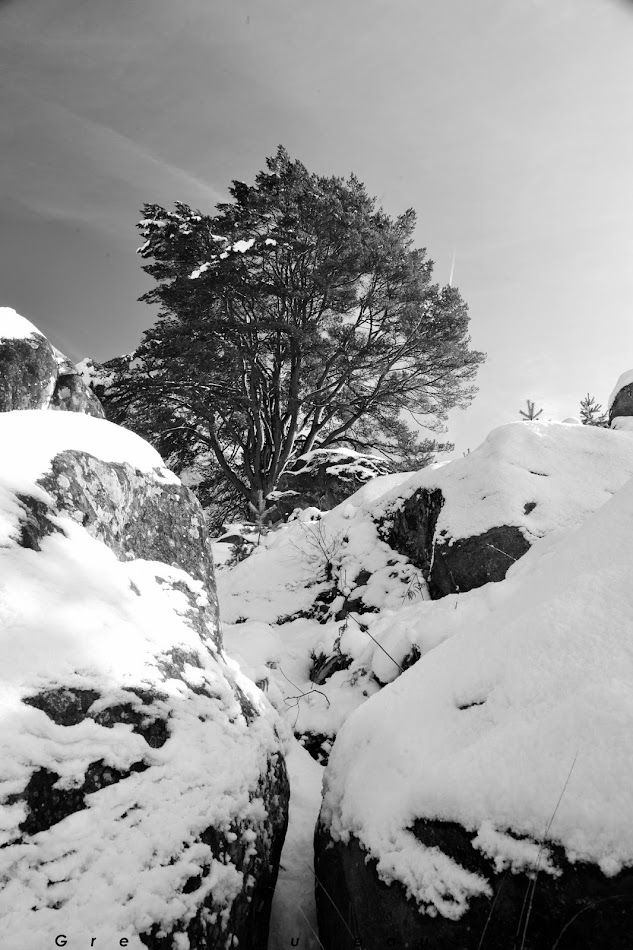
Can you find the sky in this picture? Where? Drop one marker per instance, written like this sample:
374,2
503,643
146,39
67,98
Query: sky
506,124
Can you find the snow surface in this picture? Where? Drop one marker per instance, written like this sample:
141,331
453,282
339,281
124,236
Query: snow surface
69,617
15,327
546,652
490,725
580,468
262,600
623,423
567,471
293,915
240,247
522,685
243,246
346,463
624,380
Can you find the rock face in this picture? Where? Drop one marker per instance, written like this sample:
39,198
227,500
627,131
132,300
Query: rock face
28,370
34,375
143,789
71,393
464,564
579,910
622,404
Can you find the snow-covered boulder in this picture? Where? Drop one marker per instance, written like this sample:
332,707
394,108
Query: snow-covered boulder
620,403
35,375
323,478
143,790
485,797
464,524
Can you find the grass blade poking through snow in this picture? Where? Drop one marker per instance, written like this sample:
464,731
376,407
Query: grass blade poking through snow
334,905
310,926
531,888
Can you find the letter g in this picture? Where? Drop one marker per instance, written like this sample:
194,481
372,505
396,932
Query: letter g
61,940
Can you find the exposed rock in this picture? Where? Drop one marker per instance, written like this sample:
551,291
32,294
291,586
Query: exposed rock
28,372
472,562
135,515
580,909
318,744
35,375
621,399
71,393
249,915
460,565
326,664
143,791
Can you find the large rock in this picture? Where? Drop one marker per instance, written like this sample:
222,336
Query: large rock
35,375
620,403
484,798
450,568
579,910
467,522
143,790
324,478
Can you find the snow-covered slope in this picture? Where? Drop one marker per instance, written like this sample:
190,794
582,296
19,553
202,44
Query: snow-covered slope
327,568
560,471
532,696
521,685
370,600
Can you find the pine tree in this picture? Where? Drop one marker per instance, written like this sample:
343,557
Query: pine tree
530,415
298,317
591,413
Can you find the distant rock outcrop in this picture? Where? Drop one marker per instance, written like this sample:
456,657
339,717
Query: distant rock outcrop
143,789
35,375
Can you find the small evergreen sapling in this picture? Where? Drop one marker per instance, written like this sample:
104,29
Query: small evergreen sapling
530,415
591,413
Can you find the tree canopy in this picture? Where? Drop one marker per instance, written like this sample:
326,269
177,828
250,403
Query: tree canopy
298,316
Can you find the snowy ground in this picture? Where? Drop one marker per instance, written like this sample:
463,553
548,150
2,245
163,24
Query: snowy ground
268,603
293,921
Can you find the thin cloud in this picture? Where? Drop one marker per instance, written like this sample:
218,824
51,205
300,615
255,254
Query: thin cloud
63,165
